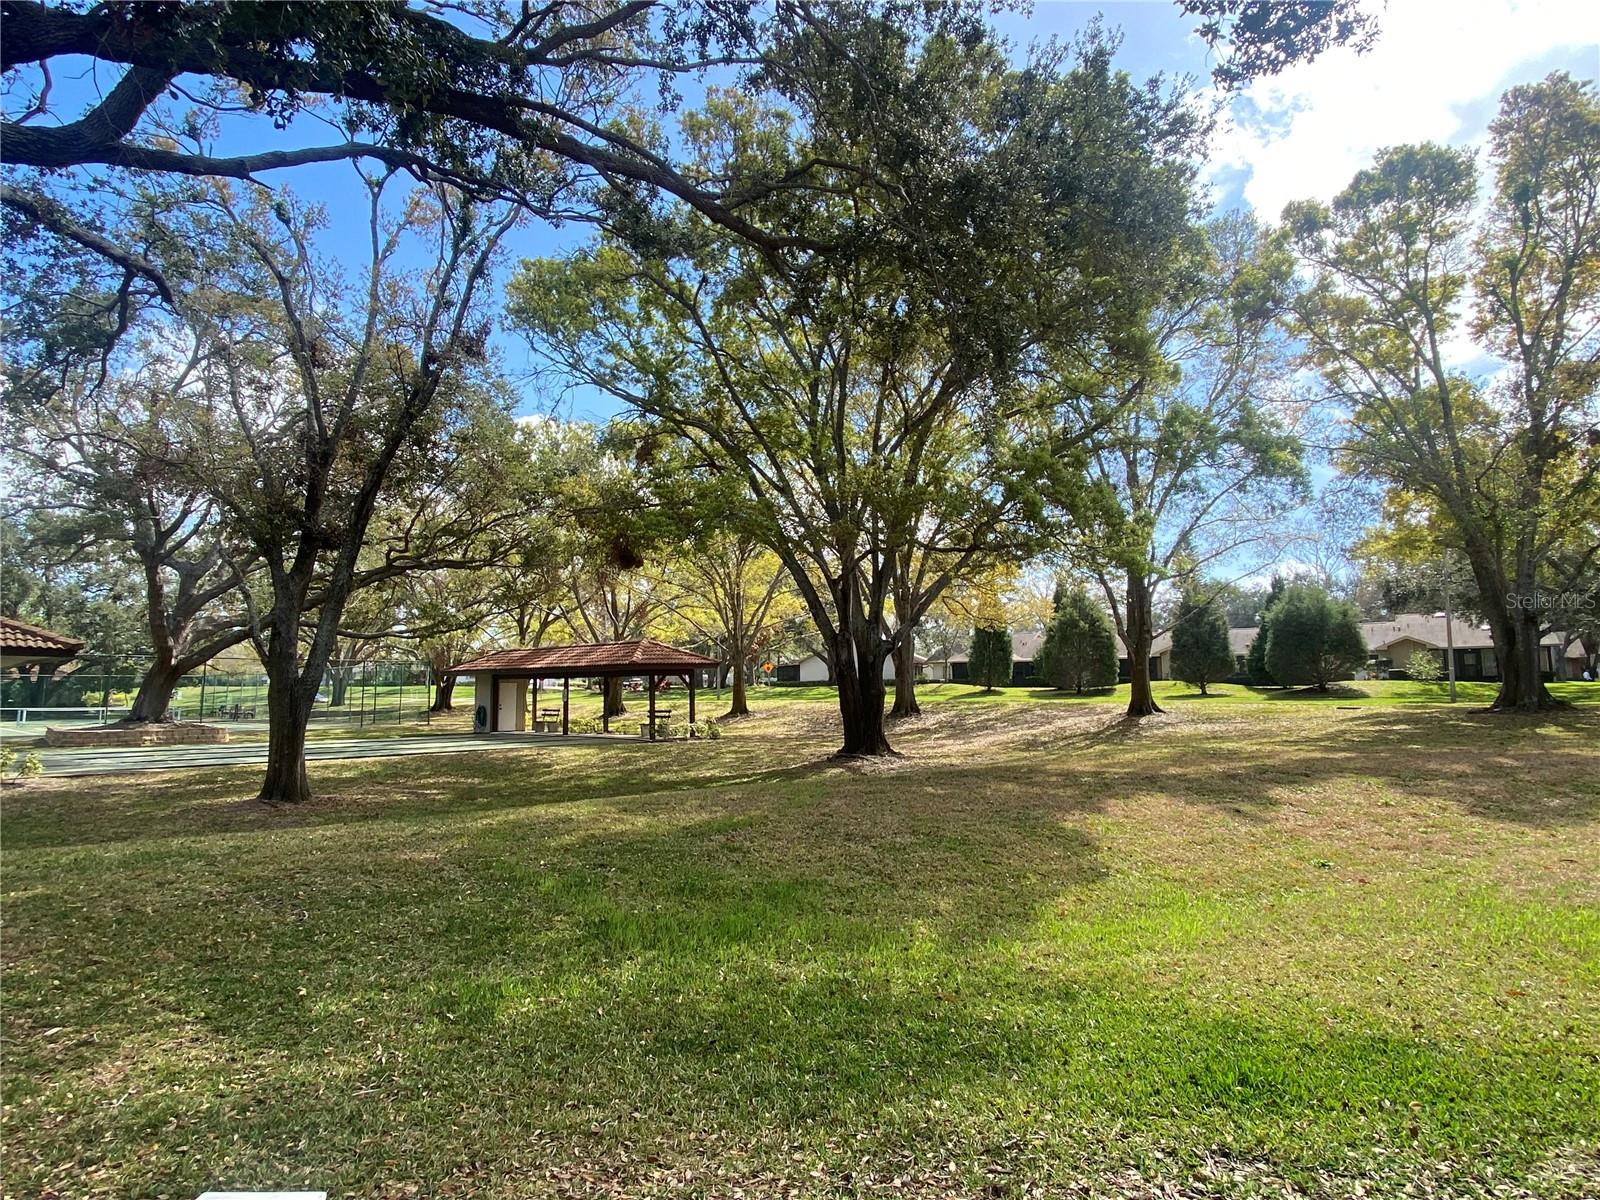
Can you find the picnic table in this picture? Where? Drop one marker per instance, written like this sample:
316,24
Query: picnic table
236,713
661,723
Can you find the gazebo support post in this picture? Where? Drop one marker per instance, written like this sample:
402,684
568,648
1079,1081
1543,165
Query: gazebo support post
533,721
652,718
605,712
566,700
689,679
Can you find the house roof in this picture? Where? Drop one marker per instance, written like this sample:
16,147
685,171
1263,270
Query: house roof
1378,635
1429,630
596,658
1025,647
18,638
1412,627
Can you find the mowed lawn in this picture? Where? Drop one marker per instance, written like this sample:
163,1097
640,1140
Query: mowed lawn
1240,949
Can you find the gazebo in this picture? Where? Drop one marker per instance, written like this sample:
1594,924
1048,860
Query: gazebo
23,645
500,680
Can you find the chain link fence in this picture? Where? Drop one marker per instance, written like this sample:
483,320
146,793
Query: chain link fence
102,688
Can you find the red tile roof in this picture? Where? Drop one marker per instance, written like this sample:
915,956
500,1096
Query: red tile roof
609,658
18,637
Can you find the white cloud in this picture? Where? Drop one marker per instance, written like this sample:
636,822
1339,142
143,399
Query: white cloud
1434,75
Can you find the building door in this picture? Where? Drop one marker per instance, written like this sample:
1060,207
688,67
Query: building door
511,704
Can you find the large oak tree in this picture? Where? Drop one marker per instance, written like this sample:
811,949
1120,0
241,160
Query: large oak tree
882,399
1402,266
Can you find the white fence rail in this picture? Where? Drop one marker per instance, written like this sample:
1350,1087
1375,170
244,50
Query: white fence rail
103,712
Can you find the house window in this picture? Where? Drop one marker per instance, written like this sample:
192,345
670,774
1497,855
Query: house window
788,674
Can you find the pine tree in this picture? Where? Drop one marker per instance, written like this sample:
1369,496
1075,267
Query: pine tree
1255,661
1312,639
990,658
1200,651
1080,647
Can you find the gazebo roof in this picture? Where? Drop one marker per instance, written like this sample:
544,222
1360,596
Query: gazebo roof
597,658
19,640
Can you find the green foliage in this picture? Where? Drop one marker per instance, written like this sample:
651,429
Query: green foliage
32,766
1201,654
1312,639
1080,647
1425,666
877,407
1255,660
1189,460
1405,260
1262,39
989,660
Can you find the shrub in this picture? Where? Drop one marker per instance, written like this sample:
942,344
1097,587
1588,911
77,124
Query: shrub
1080,647
1200,651
32,766
1425,666
1255,660
989,661
1312,639
8,760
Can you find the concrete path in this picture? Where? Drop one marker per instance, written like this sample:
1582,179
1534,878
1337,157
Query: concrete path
172,758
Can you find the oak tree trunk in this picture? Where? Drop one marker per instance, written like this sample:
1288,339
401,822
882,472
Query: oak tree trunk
861,696
905,680
1514,630
155,693
1141,624
443,695
740,704
1516,649
289,702
614,707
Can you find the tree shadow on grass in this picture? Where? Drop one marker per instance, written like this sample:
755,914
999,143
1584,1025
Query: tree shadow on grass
482,955
195,802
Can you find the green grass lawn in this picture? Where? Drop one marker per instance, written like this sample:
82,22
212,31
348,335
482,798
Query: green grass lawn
1235,949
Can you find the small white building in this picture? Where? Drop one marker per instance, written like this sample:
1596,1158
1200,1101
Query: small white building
813,668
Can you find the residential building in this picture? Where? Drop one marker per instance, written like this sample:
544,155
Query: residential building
813,668
1390,644
1025,648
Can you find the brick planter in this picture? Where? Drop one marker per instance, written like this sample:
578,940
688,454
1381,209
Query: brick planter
184,733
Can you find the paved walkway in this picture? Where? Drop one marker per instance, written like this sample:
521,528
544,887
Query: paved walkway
172,758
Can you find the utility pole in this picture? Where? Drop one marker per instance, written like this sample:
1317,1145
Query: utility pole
1449,626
